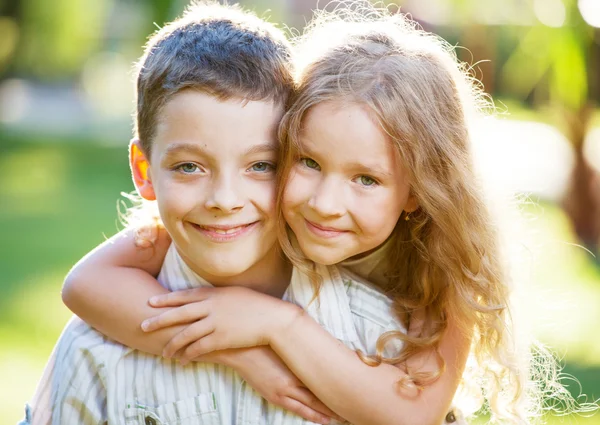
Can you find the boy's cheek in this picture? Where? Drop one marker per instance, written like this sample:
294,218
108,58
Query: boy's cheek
265,194
176,196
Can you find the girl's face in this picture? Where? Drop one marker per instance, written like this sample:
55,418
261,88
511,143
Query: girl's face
347,189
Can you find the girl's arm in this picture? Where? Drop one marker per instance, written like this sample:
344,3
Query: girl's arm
365,394
238,317
109,288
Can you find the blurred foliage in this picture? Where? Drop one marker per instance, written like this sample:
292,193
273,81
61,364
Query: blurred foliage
556,60
51,41
58,36
58,197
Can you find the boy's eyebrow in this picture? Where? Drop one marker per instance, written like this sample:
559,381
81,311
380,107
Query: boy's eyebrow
183,147
262,148
196,149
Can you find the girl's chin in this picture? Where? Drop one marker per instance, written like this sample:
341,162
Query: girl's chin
324,256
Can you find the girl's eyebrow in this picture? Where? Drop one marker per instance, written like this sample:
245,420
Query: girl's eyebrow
305,150
369,169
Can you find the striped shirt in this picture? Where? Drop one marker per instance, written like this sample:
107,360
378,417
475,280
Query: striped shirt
91,379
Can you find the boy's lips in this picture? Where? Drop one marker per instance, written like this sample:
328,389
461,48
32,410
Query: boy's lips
323,231
225,232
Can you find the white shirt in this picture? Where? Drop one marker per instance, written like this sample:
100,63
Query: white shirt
91,379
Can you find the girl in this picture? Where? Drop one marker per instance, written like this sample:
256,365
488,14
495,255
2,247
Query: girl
376,175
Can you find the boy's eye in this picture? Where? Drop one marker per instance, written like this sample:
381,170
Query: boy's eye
188,168
367,181
262,167
310,163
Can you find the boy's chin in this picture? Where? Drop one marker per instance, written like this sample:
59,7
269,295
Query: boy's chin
225,269
226,265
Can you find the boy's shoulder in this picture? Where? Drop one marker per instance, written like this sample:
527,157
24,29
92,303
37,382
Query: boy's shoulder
79,340
78,335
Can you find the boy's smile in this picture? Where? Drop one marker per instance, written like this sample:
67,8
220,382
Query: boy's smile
225,233
212,170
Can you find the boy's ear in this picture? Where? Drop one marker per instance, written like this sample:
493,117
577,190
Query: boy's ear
140,171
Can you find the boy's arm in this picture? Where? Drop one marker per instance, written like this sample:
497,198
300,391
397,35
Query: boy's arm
110,286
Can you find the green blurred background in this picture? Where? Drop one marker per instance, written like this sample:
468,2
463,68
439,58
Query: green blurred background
66,96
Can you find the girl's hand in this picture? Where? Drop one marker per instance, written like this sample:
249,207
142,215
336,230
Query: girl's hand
270,377
220,318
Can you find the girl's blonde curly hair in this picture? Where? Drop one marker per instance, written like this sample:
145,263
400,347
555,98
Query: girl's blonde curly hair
447,260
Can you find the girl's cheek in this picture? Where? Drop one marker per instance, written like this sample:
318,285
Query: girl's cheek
378,215
295,187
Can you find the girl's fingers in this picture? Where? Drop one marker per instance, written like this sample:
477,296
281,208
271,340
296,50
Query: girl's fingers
307,398
304,411
200,347
177,298
194,333
185,314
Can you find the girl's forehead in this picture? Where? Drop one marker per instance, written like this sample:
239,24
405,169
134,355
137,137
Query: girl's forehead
342,118
319,114
347,133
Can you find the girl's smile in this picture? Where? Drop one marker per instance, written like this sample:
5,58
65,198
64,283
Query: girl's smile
323,231
347,173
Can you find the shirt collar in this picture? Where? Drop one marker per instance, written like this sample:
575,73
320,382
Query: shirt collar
332,308
372,263
176,275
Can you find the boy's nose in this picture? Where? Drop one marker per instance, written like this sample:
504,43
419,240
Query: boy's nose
226,196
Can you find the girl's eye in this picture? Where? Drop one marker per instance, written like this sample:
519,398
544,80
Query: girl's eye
262,167
188,168
310,163
367,181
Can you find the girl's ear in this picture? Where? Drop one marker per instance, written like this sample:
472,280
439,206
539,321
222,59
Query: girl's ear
411,203
140,171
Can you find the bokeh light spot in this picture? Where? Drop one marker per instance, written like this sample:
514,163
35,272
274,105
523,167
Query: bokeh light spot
551,13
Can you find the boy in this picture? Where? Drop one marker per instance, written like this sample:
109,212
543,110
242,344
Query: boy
211,90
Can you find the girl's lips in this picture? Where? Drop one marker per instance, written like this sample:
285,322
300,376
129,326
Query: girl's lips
225,234
323,232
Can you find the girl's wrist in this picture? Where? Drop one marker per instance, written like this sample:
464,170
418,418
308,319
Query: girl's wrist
228,358
288,317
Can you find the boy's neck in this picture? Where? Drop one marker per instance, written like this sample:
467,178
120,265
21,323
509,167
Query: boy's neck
270,276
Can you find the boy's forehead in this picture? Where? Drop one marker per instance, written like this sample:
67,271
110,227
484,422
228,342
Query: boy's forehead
216,106
197,122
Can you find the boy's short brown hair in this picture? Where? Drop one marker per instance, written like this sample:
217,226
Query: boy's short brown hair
220,50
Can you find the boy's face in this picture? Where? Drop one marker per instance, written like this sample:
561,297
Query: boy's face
212,171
